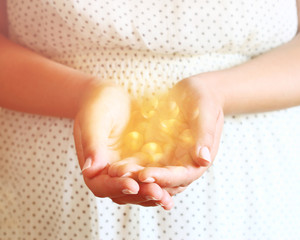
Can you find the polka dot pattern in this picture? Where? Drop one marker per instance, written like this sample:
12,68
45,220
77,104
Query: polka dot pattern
167,27
251,191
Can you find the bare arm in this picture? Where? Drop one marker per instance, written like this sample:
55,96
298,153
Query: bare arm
268,82
32,83
3,17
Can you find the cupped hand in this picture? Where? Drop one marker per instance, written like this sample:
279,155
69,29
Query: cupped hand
203,111
101,120
202,107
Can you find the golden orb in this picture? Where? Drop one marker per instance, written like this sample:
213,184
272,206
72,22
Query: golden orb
171,126
148,107
151,148
168,109
133,141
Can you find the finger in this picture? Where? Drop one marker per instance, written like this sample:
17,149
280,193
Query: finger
90,166
152,191
201,116
175,190
126,167
147,192
95,144
101,126
171,176
78,144
149,195
203,126
144,204
105,186
218,134
167,201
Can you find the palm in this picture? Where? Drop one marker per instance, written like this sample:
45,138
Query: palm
184,165
99,125
98,128
181,169
165,151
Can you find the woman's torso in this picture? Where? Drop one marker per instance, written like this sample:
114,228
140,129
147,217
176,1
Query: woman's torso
147,46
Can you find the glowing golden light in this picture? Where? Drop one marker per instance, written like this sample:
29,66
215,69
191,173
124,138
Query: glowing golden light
157,157
133,141
172,126
186,139
168,109
151,148
148,107
142,126
158,133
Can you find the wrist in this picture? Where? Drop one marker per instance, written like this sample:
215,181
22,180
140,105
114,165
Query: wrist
211,83
91,90
102,93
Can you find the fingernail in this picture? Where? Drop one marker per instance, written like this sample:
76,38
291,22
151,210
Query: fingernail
204,153
127,174
127,191
169,206
149,180
159,204
151,198
87,164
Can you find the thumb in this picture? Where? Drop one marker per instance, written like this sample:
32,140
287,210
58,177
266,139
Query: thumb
91,141
103,115
206,124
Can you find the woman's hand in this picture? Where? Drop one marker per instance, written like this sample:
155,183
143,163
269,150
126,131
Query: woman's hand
202,107
203,111
103,116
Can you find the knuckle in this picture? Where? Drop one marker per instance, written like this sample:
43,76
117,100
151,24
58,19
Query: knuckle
168,182
98,194
179,189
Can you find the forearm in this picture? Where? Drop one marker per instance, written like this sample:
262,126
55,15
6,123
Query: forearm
269,82
32,83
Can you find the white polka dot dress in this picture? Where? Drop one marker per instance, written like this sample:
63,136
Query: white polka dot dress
252,191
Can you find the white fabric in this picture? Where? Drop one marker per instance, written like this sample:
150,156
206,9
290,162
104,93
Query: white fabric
253,189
